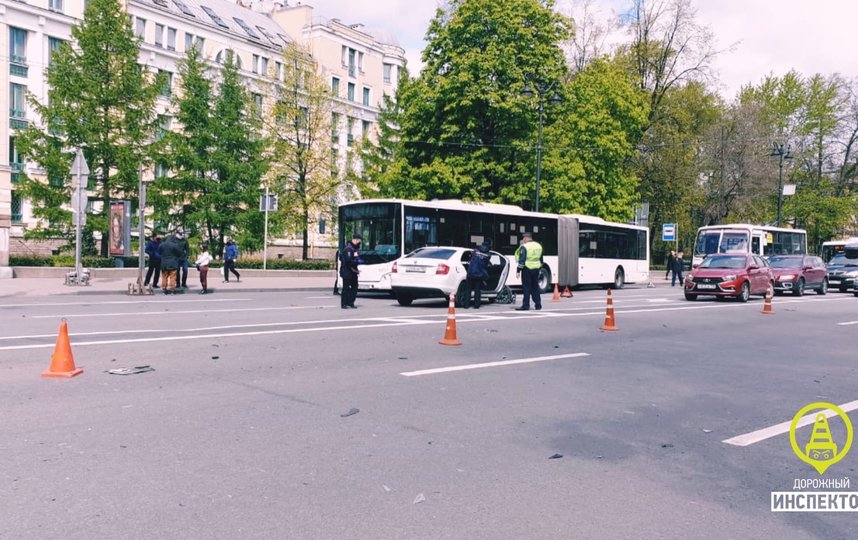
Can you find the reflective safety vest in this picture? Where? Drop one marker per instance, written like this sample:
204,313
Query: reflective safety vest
534,255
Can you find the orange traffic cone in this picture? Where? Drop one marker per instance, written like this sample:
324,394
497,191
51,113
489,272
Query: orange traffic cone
556,297
62,361
767,307
610,323
450,331
566,293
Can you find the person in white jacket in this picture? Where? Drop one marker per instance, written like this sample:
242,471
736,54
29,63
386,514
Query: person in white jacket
202,265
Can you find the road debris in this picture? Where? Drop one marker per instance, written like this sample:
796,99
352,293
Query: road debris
130,371
351,412
556,456
419,499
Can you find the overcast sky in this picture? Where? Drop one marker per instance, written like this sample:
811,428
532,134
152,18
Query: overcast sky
768,37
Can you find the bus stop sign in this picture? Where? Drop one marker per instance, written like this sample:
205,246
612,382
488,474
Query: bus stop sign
668,232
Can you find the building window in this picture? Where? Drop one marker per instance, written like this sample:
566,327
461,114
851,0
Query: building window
17,208
365,95
171,39
350,126
140,27
255,67
364,128
335,86
352,67
55,5
14,160
54,45
278,70
335,128
263,66
167,89
386,72
257,105
17,46
351,92
159,35
228,53
163,127
192,41
55,181
360,62
161,170
17,101
345,56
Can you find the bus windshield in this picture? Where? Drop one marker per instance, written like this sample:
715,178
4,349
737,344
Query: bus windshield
709,242
377,224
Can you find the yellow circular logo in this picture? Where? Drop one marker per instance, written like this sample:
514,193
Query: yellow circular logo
821,451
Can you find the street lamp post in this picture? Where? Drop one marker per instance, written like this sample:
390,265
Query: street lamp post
541,91
141,230
778,152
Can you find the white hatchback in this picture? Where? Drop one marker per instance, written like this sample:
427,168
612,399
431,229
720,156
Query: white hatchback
437,272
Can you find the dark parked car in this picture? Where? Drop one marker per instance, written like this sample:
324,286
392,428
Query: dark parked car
796,273
842,272
737,276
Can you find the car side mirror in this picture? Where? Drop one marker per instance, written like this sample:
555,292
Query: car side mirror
808,267
755,267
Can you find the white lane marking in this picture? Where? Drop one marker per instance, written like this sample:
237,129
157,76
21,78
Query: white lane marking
847,323
491,364
766,433
212,336
329,297
150,302
138,313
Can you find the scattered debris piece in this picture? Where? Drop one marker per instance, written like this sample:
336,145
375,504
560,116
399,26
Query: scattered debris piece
419,499
387,489
403,358
130,371
814,380
556,456
351,412
707,431
215,357
667,445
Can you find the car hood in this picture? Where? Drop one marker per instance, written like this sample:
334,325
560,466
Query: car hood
716,272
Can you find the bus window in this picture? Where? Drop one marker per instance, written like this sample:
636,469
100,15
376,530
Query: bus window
734,242
755,245
707,243
420,231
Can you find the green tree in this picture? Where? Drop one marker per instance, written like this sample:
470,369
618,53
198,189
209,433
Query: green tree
463,120
588,148
99,98
300,123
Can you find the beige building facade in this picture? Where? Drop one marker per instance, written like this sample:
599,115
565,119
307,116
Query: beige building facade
361,65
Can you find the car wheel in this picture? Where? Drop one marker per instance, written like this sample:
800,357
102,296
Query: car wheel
505,296
799,288
745,292
844,289
544,280
823,289
690,297
403,299
619,279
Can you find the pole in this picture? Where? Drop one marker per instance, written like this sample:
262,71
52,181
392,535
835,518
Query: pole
77,234
141,231
539,152
265,246
780,184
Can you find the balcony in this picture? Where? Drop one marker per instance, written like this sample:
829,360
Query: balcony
18,70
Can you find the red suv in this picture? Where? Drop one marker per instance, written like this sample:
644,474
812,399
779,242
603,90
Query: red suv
738,276
795,273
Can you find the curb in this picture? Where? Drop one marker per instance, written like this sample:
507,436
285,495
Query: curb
195,290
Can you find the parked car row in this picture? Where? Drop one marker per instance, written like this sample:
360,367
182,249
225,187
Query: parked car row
740,276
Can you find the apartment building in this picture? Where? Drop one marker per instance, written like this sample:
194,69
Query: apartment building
362,66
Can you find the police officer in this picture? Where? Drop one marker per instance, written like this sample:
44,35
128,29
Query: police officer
529,256
349,258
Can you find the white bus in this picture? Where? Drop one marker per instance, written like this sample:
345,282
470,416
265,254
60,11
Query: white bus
833,247
744,238
577,249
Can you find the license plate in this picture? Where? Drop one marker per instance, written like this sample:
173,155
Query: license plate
834,280
419,269
707,286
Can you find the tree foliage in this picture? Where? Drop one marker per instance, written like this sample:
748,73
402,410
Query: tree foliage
100,99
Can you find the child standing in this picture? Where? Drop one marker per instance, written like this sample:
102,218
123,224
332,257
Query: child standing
202,265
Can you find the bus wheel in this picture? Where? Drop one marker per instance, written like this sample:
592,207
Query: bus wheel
619,279
544,280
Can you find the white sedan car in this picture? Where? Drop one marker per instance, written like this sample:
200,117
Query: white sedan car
436,272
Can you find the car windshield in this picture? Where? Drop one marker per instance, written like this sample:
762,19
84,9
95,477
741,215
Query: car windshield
719,261
432,253
841,260
785,262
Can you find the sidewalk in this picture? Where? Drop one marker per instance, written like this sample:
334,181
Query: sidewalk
54,286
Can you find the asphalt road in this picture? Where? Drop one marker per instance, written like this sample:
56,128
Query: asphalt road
244,428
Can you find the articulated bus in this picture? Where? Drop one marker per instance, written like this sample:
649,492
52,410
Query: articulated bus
744,238
577,249
833,247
